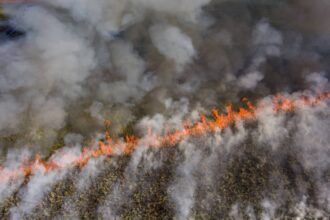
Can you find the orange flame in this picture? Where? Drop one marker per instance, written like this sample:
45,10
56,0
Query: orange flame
110,147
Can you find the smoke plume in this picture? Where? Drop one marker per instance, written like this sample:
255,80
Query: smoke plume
106,109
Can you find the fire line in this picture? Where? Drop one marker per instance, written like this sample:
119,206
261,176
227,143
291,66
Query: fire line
111,147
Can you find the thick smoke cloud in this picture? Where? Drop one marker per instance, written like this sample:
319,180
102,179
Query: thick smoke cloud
173,44
149,67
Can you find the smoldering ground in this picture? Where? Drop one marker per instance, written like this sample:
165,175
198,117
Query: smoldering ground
152,64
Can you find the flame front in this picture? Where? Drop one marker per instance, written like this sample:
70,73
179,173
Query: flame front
111,147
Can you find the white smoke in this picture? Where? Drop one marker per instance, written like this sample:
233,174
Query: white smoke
130,67
250,80
173,43
150,66
47,72
13,161
183,188
271,129
31,195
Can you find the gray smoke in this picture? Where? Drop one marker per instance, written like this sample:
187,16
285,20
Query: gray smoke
149,66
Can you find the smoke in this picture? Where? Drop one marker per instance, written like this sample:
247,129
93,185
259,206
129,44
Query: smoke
150,67
250,80
173,44
34,191
183,190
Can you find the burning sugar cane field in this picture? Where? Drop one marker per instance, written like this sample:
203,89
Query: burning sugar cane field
164,109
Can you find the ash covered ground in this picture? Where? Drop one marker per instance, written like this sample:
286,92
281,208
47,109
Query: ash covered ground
70,67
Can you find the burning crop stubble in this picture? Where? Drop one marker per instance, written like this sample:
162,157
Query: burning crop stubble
113,98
